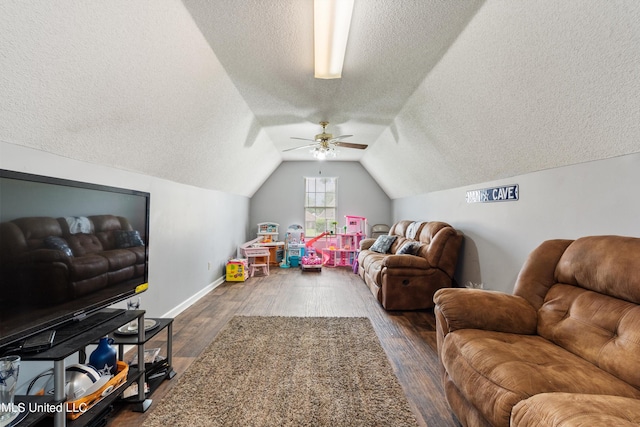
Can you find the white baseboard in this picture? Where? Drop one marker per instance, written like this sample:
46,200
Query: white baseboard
184,305
193,299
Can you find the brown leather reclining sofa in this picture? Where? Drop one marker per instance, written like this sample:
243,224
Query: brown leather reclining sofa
562,350
45,263
408,281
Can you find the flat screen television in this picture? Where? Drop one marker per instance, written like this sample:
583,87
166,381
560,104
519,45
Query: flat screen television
67,250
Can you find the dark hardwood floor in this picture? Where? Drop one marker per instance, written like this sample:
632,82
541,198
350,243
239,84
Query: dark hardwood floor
408,338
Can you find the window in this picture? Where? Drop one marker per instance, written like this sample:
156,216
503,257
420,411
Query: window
320,196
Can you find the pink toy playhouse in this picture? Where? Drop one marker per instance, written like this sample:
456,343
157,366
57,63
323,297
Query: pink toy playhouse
356,225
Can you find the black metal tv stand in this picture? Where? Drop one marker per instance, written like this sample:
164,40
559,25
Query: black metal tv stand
82,324
156,371
84,334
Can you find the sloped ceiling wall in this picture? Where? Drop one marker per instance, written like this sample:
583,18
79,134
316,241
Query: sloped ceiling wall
514,87
132,85
527,86
266,48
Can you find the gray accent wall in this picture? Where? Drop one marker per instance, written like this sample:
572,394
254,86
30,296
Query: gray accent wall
594,198
281,198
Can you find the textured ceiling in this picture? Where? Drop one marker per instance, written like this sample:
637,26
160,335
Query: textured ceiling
266,48
209,92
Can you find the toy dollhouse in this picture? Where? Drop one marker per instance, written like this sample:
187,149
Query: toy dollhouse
356,225
345,251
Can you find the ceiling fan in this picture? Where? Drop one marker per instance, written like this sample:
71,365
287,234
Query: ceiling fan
324,144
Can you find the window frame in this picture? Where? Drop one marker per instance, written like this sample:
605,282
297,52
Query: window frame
321,211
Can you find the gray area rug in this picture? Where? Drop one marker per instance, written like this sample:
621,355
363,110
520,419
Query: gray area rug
288,371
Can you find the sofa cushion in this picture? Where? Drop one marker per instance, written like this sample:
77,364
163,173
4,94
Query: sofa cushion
602,264
371,262
36,229
496,370
57,243
87,267
104,223
413,229
576,410
398,243
78,224
409,248
128,239
429,231
400,228
83,244
599,328
383,244
140,252
119,258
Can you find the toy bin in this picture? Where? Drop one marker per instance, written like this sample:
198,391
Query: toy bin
294,261
236,271
78,407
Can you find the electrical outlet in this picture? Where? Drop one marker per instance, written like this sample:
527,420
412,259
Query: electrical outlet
209,265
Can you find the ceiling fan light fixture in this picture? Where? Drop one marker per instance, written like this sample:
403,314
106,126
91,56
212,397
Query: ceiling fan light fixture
322,153
331,22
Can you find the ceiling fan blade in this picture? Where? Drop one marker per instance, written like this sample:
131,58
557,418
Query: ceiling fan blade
351,145
303,139
299,148
340,137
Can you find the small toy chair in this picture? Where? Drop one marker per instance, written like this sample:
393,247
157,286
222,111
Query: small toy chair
262,268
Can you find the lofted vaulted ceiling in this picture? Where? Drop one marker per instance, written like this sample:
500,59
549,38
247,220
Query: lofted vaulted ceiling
210,92
266,48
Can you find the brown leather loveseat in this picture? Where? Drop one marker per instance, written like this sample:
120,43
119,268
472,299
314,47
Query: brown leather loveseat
407,281
46,262
562,350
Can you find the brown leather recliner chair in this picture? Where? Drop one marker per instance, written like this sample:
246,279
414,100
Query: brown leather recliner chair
562,350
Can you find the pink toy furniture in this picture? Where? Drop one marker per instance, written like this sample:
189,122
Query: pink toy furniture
345,251
258,260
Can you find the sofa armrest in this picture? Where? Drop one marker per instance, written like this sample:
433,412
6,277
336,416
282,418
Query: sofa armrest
366,243
405,261
576,409
463,308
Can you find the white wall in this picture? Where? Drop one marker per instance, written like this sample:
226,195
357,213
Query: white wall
190,228
593,198
281,197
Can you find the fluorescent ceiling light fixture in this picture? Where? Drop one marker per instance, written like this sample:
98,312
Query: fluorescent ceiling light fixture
331,22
